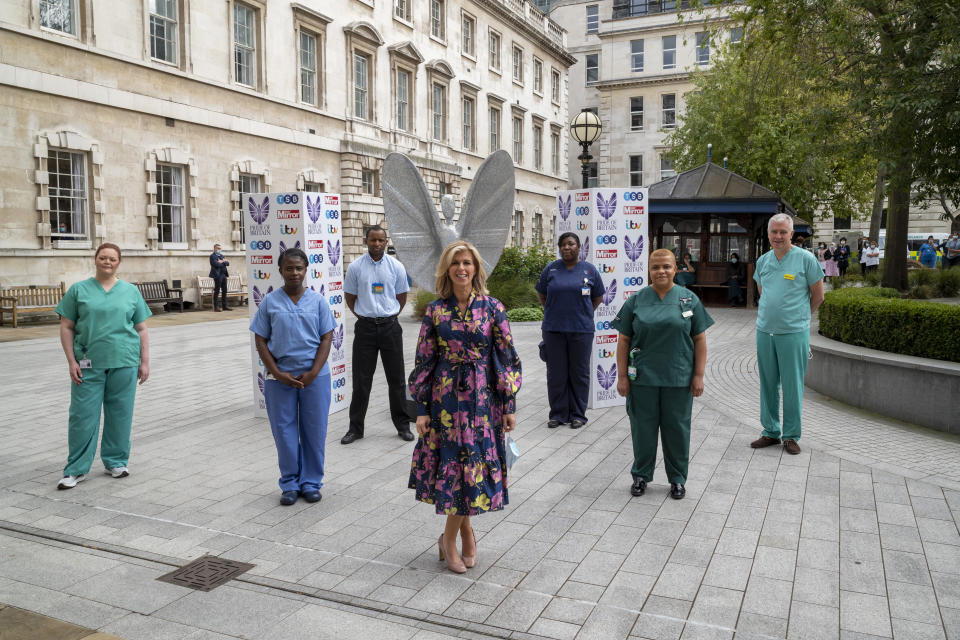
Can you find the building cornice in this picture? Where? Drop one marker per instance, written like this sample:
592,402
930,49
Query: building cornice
550,37
617,83
635,29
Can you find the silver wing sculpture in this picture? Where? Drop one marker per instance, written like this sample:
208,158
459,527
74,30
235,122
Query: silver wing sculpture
420,234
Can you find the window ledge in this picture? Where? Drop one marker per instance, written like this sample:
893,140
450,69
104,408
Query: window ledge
441,41
174,245
518,83
406,23
469,56
72,244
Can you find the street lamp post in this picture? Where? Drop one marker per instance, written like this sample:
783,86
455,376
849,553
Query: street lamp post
585,128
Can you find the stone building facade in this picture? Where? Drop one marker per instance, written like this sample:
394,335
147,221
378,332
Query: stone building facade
143,123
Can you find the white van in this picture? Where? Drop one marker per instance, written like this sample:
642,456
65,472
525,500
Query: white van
914,240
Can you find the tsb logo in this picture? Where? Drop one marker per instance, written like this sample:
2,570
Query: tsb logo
332,214
633,281
605,268
630,224
337,299
260,275
604,325
316,258
288,231
582,211
582,225
339,383
288,198
607,239
636,196
603,353
260,245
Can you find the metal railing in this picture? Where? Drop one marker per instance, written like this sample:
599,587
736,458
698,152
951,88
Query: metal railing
632,8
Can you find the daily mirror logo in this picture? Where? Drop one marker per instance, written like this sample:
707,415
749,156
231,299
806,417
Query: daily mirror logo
315,244
331,200
288,214
582,196
261,259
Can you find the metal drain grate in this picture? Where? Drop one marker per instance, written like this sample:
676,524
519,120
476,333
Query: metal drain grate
206,573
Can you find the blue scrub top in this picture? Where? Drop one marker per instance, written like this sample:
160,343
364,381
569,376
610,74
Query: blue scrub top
376,285
568,309
294,331
785,298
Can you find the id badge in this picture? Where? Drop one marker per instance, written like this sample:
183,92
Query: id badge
788,276
84,364
376,287
585,291
632,372
686,314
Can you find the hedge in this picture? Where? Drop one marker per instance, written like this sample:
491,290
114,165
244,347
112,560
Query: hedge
878,318
525,314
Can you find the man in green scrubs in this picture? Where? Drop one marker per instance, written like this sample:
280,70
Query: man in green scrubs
790,282
661,356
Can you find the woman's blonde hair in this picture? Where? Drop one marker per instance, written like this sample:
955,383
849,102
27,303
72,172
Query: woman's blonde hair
444,286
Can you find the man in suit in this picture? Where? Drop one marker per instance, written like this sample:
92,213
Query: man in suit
218,271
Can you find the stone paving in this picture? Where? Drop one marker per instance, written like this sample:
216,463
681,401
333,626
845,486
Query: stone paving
855,538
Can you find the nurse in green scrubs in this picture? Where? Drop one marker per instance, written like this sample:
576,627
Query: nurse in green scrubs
661,355
104,336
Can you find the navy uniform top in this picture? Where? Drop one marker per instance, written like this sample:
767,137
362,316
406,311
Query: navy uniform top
294,331
570,293
661,334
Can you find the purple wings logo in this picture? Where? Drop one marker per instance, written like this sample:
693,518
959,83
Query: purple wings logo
321,291
283,246
607,378
338,337
260,212
585,249
633,249
258,296
611,292
313,209
260,381
606,208
333,252
564,207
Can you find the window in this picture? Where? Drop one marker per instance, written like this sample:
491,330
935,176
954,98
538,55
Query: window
555,85
401,9
518,228
439,105
592,180
170,203
308,67
469,128
727,236
669,104
555,152
314,187
468,36
538,228
59,15
517,64
163,30
361,106
248,183
636,55
841,223
703,48
593,18
593,67
494,129
669,52
403,100
636,171
666,167
537,76
68,194
438,19
517,139
494,42
736,35
368,181
244,45
636,114
537,147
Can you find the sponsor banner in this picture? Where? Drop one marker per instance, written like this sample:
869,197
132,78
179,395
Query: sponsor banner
613,228
274,223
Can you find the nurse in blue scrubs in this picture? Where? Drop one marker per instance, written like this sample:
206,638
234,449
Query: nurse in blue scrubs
293,332
569,290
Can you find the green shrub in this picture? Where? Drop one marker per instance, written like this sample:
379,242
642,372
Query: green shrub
878,318
918,277
514,293
420,304
948,283
525,314
526,265
872,279
921,291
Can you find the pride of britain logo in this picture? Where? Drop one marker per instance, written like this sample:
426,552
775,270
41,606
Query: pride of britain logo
607,380
259,212
314,211
606,207
634,251
333,252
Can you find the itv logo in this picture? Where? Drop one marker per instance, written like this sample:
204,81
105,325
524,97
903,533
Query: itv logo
603,353
332,228
287,230
261,275
631,224
581,225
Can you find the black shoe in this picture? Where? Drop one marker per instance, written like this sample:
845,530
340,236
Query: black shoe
287,498
677,491
350,437
553,424
639,486
406,435
576,424
312,495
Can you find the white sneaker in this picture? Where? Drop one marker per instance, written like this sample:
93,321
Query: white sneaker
69,482
118,472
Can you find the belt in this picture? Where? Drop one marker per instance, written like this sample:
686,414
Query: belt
381,320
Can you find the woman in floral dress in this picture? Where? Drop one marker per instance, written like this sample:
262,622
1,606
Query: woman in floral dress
465,382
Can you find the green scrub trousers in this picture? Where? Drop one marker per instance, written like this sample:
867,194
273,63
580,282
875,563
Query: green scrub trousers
782,363
114,390
663,409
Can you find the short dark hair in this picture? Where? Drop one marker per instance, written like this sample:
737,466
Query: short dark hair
843,238
568,234
108,245
290,254
375,227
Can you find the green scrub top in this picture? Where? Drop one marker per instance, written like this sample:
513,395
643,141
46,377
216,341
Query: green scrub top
785,295
103,322
661,335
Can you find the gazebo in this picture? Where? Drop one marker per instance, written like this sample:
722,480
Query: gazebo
711,212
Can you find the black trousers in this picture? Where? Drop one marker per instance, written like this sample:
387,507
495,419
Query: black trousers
220,287
568,374
369,338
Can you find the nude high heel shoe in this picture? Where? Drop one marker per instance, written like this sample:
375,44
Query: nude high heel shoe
471,561
453,564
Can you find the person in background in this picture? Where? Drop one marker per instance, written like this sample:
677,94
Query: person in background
103,332
863,244
872,254
951,255
293,331
686,271
661,357
831,256
843,257
821,254
219,273
928,253
465,382
736,277
570,290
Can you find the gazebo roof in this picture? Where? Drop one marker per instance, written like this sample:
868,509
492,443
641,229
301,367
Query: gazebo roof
712,182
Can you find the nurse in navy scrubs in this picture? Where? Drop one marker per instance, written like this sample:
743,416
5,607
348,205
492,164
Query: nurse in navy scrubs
570,290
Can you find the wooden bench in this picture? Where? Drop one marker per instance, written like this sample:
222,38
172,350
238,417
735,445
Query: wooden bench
235,288
29,298
158,291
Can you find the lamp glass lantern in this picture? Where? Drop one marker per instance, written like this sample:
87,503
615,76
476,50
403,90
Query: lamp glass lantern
585,128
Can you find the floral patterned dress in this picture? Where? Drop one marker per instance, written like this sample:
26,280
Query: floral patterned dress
466,377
